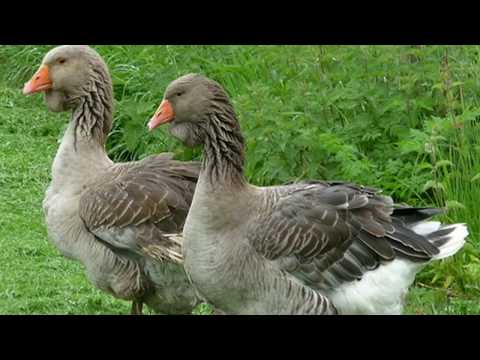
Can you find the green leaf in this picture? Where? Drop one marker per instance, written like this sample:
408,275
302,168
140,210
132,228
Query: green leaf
432,184
448,281
453,204
475,178
424,165
443,163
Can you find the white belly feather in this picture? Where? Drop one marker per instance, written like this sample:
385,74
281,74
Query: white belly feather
381,291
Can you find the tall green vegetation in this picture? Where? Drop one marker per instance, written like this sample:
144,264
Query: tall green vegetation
400,118
453,155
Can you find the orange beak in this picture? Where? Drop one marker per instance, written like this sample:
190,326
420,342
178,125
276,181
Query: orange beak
39,82
163,115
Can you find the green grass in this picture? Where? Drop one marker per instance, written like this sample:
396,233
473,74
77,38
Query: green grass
382,116
34,278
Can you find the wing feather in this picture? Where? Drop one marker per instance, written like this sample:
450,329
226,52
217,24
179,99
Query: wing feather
325,234
141,202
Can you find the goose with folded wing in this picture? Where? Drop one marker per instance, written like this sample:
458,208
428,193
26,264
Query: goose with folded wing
122,221
308,248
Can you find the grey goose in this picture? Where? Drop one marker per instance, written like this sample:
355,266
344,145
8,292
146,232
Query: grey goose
122,221
316,247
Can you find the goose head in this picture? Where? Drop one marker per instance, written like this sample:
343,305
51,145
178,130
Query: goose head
65,75
188,105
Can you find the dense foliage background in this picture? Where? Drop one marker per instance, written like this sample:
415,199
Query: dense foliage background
401,118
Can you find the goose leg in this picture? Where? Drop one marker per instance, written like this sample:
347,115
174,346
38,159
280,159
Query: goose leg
136,308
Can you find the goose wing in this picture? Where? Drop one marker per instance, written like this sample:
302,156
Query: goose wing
325,234
142,203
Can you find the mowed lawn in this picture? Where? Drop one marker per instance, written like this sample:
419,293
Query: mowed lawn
34,277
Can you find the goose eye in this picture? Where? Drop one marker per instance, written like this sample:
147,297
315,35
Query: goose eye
179,93
62,60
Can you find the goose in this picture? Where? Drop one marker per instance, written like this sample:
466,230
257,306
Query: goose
312,247
122,221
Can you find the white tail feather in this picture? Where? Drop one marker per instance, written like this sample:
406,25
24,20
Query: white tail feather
426,227
455,242
456,239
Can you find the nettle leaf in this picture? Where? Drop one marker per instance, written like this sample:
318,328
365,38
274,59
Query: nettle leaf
409,146
425,104
133,134
415,143
432,184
